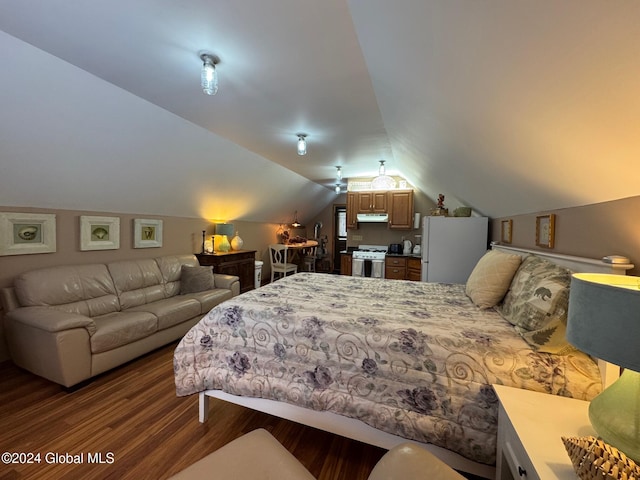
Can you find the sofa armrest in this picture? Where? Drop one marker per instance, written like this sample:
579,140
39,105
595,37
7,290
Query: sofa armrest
230,282
51,320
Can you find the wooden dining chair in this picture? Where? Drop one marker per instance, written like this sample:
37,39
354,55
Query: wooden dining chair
278,257
310,259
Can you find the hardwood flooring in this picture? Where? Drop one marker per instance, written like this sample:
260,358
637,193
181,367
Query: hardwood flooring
133,419
133,414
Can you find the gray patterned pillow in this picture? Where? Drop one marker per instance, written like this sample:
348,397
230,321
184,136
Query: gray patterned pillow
537,304
196,279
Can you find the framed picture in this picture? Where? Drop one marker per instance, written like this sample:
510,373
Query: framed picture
505,231
147,233
99,233
545,230
23,233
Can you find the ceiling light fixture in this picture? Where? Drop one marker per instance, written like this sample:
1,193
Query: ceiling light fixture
338,189
339,173
302,144
383,181
209,75
296,223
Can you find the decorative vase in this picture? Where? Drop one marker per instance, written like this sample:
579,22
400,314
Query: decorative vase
237,242
225,246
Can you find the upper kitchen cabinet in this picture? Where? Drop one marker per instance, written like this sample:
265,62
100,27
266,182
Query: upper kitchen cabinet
398,204
401,209
372,202
352,210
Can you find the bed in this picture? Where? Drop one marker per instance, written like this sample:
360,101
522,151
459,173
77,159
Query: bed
379,361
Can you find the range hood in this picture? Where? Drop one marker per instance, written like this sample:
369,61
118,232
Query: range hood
373,218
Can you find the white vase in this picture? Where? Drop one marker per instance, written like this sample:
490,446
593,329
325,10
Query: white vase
237,242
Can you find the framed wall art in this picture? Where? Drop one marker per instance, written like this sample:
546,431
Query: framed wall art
99,233
24,233
545,230
506,228
147,233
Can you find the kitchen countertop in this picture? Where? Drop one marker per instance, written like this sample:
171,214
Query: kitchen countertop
411,255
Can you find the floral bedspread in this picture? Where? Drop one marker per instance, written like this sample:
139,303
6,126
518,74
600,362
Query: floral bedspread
413,359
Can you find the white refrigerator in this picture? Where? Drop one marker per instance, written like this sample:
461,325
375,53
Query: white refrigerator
451,247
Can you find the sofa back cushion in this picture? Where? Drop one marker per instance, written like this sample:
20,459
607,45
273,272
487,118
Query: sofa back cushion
82,289
137,282
171,269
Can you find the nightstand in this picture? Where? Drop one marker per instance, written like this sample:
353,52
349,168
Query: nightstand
530,427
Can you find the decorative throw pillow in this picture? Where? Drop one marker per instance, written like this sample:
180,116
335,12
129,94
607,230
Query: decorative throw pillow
196,279
537,304
491,277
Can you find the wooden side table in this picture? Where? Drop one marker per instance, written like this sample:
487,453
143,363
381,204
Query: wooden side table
530,427
240,263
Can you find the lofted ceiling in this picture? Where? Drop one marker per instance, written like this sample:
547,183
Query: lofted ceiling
509,107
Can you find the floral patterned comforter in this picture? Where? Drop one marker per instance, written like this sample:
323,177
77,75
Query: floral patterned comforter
413,359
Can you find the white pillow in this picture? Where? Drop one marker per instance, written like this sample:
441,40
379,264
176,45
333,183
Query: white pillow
491,277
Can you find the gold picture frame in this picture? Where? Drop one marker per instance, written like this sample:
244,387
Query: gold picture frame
545,230
506,229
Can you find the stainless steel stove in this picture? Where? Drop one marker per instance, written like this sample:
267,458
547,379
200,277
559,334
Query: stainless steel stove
368,261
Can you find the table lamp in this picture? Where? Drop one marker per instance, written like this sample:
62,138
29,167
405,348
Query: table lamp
604,321
224,230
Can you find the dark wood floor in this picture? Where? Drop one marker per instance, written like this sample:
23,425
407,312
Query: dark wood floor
133,413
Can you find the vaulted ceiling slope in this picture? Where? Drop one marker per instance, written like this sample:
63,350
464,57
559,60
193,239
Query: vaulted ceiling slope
509,107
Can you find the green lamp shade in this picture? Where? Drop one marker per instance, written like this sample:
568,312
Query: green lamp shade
604,321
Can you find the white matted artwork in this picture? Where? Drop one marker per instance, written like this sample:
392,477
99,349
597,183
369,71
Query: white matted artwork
99,233
147,233
24,233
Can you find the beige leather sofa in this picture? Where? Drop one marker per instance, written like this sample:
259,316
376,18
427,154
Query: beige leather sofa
70,323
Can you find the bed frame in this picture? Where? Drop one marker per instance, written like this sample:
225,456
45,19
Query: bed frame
360,431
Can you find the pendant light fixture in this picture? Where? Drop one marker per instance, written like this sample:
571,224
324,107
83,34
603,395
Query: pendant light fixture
338,189
209,75
339,173
302,144
296,223
383,181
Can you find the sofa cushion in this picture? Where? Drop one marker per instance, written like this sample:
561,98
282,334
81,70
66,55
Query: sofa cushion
210,298
196,279
171,311
121,328
137,282
81,289
171,269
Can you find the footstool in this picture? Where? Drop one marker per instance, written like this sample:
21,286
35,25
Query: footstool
255,456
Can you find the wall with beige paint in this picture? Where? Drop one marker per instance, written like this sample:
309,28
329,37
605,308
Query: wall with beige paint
608,228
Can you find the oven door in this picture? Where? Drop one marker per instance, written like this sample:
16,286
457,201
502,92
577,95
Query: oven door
361,267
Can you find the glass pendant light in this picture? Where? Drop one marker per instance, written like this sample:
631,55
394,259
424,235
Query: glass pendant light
302,144
209,75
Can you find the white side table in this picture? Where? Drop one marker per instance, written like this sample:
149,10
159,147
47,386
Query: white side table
530,427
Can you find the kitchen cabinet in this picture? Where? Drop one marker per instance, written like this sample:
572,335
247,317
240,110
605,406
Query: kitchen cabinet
372,202
352,210
398,204
345,264
401,209
240,263
395,268
414,269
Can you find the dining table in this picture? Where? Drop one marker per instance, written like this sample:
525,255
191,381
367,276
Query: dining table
298,251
